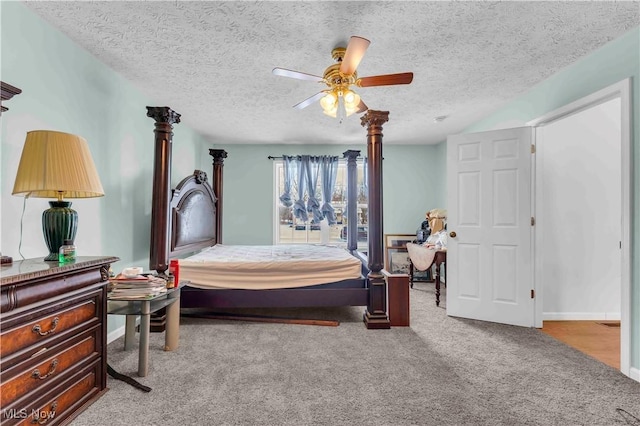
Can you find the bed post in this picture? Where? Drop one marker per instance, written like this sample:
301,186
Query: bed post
352,199
218,163
376,313
160,226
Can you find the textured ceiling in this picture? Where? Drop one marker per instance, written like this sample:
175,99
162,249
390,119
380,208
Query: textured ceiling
211,61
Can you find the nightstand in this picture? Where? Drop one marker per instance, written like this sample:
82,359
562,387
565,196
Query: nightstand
133,308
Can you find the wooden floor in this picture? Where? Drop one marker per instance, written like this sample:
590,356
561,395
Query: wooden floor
598,339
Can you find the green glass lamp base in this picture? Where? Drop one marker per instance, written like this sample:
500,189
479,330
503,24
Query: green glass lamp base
59,223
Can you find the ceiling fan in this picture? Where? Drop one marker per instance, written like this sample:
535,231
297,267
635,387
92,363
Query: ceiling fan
339,100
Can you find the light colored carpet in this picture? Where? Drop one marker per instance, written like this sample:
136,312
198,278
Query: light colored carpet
440,371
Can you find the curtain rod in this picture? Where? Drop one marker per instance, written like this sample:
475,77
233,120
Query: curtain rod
270,157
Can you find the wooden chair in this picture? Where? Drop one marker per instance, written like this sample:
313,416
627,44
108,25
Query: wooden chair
423,258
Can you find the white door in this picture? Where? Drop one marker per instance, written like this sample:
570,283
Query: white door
489,262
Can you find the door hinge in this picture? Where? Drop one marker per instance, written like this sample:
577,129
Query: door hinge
533,221
533,293
533,149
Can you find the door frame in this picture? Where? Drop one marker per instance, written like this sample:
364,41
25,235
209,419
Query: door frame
621,90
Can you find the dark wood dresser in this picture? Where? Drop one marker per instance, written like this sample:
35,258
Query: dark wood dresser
53,339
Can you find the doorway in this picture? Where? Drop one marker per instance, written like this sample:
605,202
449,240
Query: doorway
598,339
582,211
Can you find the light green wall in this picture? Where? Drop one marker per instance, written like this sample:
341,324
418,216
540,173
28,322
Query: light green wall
616,61
440,167
66,89
410,187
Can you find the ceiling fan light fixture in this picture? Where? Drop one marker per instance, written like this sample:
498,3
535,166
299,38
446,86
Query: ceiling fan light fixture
328,102
350,111
351,100
331,112
336,99
349,96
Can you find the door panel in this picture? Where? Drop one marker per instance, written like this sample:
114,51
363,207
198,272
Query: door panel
505,274
469,188
469,255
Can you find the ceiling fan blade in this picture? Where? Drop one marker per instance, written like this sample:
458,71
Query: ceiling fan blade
362,107
297,74
353,55
385,80
309,100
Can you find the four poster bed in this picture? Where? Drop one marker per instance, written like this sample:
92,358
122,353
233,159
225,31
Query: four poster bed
188,220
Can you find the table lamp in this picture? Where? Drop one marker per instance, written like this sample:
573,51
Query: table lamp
57,165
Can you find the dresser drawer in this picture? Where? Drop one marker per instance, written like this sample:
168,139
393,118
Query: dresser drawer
21,338
64,401
49,367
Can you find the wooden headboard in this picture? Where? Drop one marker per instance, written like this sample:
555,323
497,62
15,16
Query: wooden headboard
193,215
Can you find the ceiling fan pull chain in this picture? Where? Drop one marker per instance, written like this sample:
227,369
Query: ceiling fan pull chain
342,111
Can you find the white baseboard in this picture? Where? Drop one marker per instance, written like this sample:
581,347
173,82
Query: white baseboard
634,373
115,334
119,332
581,316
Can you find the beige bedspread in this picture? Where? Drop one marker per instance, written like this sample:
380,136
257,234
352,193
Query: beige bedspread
268,267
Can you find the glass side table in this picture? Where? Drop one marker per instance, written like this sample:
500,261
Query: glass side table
133,308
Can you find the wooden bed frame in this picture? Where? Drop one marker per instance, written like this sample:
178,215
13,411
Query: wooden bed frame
190,218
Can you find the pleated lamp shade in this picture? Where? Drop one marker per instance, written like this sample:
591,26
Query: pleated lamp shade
57,165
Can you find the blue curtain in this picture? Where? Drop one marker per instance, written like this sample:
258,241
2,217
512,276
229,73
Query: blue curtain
329,167
288,169
299,207
308,172
313,205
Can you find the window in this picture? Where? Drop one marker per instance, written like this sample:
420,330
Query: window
291,230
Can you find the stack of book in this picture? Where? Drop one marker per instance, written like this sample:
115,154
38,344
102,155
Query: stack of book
138,287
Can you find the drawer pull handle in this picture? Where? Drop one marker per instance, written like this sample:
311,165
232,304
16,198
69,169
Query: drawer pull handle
38,329
52,369
40,417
